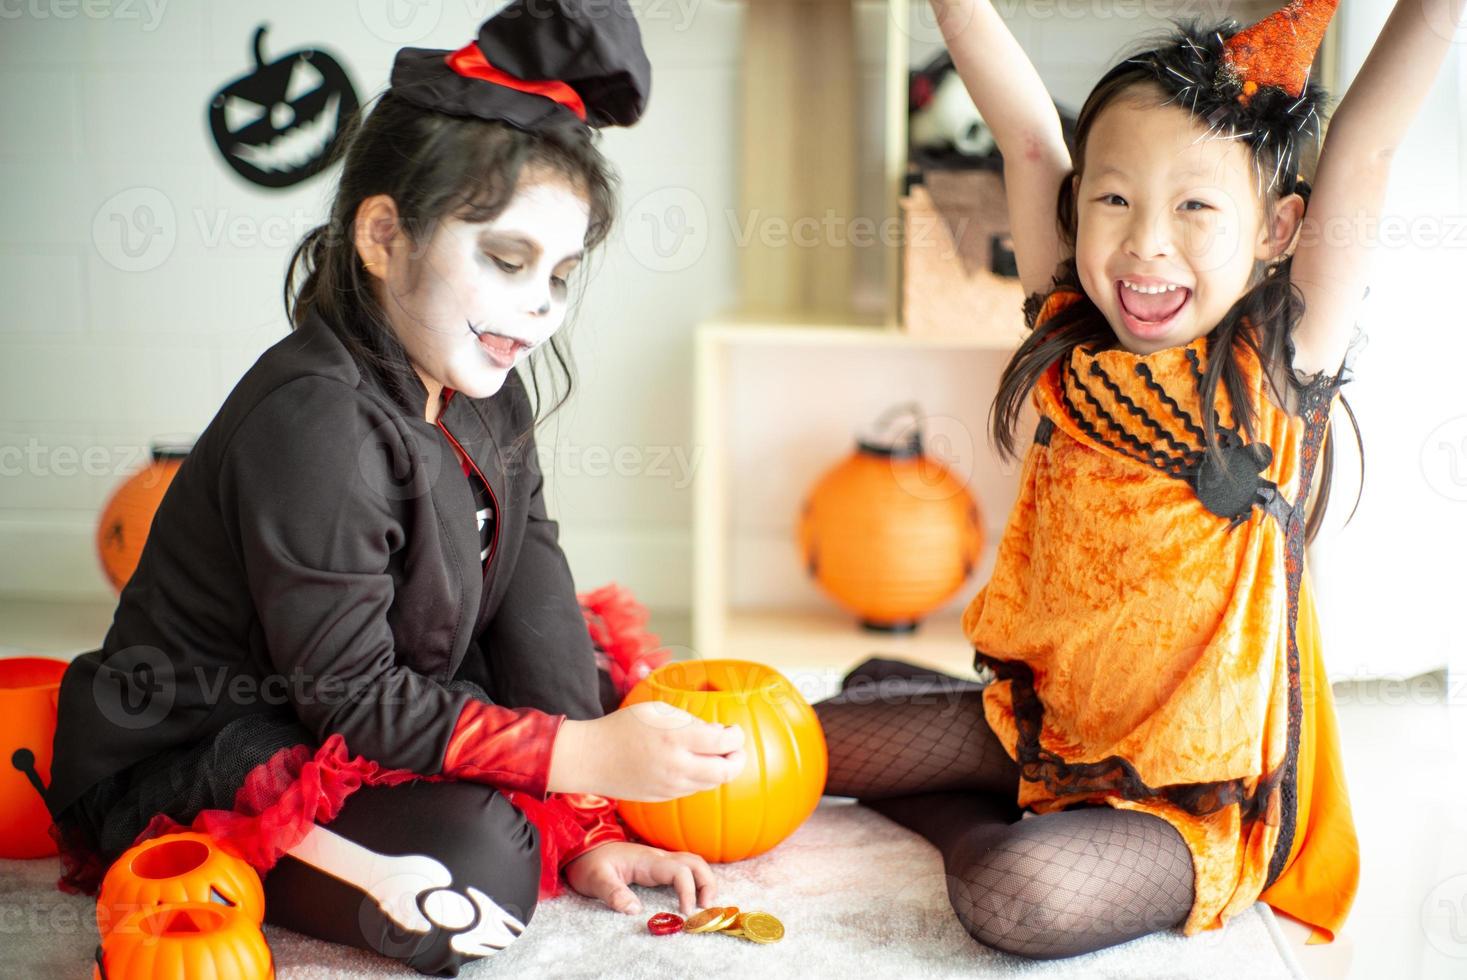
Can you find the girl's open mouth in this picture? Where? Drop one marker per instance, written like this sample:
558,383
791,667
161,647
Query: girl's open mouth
1150,316
501,350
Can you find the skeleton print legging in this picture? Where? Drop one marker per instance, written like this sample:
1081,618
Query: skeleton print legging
431,874
913,745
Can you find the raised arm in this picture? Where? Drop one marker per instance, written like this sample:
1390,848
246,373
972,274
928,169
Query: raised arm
1331,263
1017,107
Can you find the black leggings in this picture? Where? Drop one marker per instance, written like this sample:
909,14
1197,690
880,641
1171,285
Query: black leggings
914,745
431,874
472,855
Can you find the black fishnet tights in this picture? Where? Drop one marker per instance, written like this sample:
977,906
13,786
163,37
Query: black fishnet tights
913,745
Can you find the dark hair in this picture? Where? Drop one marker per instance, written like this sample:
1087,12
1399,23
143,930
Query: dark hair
433,166
1272,302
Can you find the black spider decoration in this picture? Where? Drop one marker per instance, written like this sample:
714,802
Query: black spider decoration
1231,488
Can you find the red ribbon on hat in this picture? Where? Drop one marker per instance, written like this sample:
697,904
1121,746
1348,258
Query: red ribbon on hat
470,62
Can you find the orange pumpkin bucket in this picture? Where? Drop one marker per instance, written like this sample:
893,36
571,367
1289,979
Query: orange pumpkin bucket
29,687
181,940
181,867
781,783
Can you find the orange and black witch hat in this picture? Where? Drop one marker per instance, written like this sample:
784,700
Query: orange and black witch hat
1278,50
1248,83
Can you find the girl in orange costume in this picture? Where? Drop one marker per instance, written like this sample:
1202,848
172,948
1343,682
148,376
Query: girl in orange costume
1159,700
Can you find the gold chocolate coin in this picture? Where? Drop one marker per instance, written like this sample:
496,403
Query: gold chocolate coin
729,919
761,927
704,921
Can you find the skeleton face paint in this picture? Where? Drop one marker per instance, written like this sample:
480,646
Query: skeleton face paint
489,293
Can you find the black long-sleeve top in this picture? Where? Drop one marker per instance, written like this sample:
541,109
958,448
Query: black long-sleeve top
313,554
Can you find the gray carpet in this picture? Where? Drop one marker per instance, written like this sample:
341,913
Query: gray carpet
858,894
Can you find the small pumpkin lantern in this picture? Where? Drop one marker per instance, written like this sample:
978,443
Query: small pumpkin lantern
781,782
890,533
181,867
182,940
29,687
128,515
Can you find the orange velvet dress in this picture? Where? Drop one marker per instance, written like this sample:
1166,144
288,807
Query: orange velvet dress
1151,628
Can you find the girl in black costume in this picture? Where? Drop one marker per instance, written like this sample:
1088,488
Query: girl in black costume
352,650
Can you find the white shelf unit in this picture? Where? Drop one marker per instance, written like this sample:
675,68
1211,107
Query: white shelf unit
766,434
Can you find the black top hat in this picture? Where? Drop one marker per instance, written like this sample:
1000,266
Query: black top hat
537,62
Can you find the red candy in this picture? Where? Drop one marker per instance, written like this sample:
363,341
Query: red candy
664,924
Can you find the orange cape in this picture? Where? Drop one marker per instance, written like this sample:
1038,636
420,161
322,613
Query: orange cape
1155,654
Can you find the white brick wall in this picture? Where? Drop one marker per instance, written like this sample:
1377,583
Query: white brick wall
104,113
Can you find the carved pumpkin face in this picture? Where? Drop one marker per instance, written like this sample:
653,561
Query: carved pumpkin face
184,939
127,517
185,866
276,126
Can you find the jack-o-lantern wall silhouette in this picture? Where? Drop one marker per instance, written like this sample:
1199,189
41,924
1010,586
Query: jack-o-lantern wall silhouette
276,126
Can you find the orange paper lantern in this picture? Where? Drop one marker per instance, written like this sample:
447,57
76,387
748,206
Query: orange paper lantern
181,867
128,514
28,691
781,783
182,941
890,533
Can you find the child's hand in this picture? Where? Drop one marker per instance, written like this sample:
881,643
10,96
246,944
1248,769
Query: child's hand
650,751
606,871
